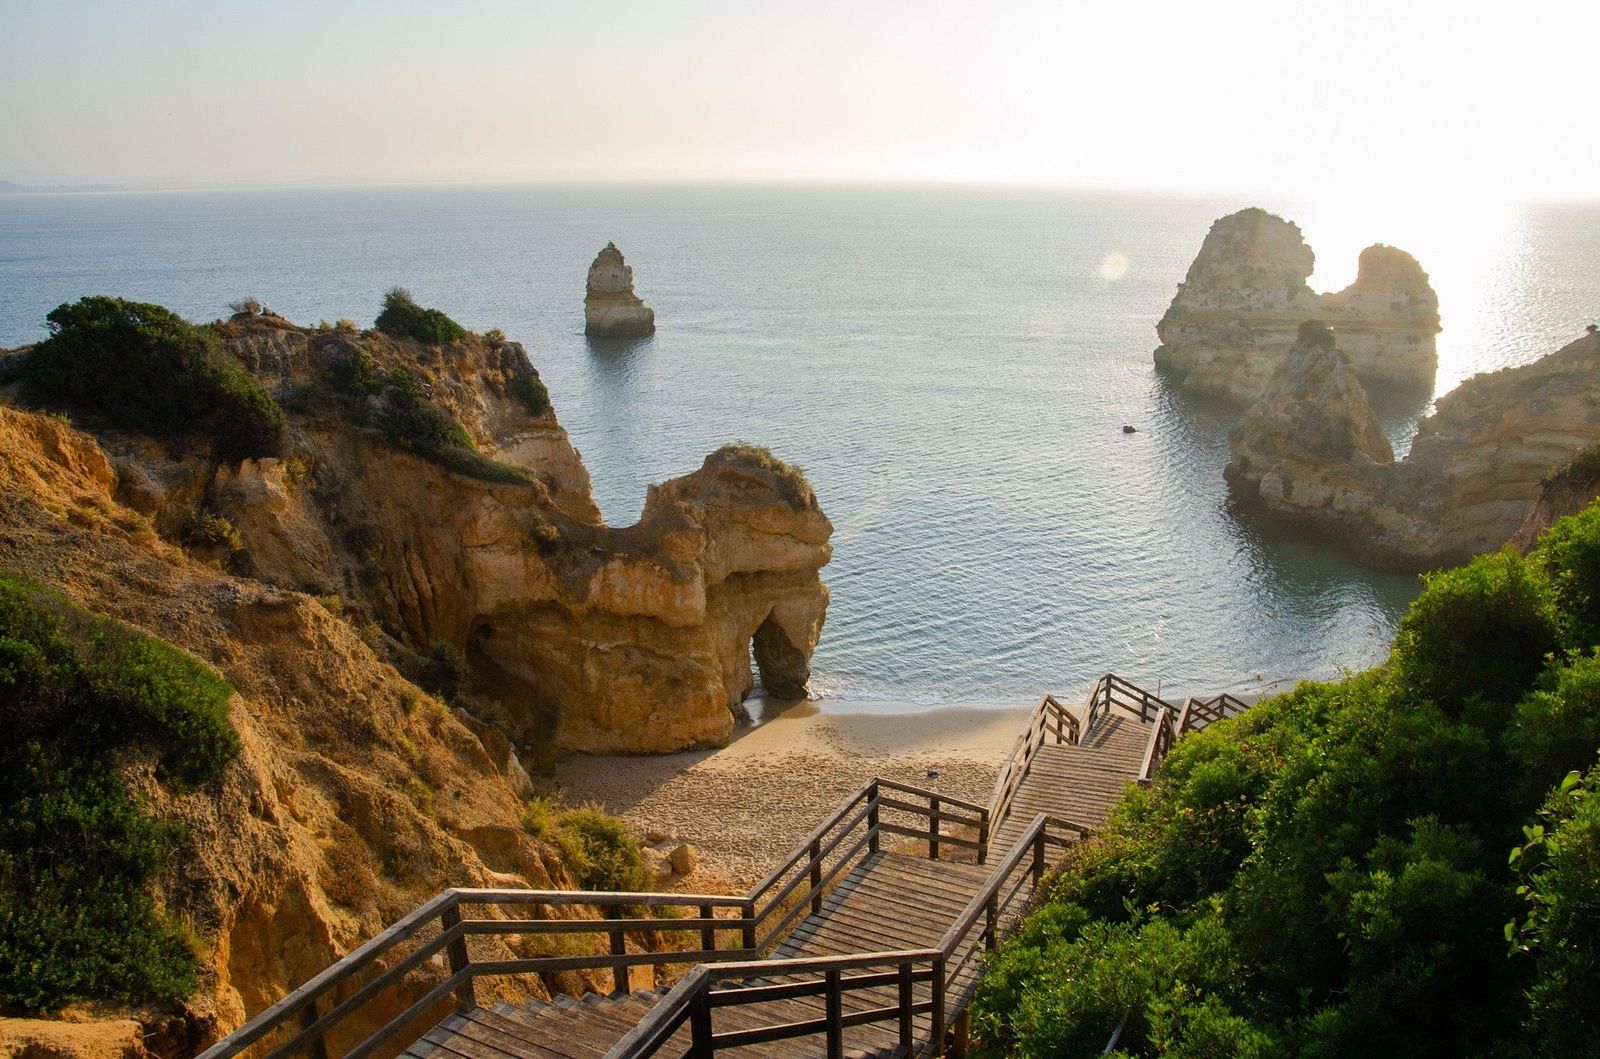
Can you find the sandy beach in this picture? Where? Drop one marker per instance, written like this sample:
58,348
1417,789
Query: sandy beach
745,805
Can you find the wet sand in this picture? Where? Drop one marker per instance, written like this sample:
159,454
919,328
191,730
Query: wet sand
746,805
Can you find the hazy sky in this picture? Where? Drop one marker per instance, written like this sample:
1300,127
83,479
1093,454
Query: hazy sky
1460,98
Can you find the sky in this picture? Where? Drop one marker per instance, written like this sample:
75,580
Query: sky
1464,99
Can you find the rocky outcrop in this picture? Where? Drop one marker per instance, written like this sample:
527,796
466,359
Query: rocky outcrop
1308,452
576,636
610,308
355,796
1237,312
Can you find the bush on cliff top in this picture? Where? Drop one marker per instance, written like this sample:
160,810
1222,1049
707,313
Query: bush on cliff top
145,368
81,697
1327,874
404,318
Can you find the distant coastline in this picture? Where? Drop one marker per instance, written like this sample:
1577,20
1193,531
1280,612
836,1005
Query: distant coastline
11,187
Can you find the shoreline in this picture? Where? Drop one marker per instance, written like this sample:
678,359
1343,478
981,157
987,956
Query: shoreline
744,806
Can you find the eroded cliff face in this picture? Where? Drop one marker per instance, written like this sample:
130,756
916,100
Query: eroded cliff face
1236,314
355,796
1475,469
610,308
577,636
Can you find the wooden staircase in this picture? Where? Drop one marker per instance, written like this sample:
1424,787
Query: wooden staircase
867,940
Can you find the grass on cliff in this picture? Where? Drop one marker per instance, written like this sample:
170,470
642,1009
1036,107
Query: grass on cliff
404,318
1328,874
410,420
145,368
792,480
82,698
597,848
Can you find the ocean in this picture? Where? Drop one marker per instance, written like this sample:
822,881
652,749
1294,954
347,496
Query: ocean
952,367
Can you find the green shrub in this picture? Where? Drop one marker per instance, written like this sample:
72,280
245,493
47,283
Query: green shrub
404,318
1483,629
78,693
145,368
449,670
531,391
596,847
1569,553
411,421
1325,875
354,373
1560,921
608,857
1556,728
208,530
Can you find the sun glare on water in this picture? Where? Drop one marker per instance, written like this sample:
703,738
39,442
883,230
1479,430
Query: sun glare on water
1464,244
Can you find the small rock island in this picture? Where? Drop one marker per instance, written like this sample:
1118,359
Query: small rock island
610,308
1237,312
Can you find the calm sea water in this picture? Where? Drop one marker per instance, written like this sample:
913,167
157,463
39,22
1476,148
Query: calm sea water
952,367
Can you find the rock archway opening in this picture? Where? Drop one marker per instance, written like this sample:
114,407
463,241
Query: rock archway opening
783,666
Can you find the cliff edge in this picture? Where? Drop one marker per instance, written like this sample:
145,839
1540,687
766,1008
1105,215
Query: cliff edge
1308,451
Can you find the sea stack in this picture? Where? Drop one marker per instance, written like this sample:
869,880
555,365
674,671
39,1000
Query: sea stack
610,308
1237,313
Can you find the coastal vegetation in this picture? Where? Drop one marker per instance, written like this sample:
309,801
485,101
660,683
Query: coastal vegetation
402,317
1328,873
598,849
412,421
145,368
87,706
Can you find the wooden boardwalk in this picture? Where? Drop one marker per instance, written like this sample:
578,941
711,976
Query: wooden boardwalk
857,945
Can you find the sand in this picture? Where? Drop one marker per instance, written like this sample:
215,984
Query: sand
746,805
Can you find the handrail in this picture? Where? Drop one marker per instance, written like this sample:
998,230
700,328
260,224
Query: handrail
1162,735
1205,712
1111,690
1067,730
439,927
444,913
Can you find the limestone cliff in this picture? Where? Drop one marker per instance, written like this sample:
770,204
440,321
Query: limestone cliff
1477,464
1236,313
610,308
576,635
355,796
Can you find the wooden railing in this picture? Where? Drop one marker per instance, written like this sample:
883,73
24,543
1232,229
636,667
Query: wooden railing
1162,735
1198,713
726,934
720,927
901,986
306,1019
1112,691
797,886
1049,718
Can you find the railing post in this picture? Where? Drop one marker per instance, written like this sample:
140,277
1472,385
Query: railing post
906,1000
466,999
991,935
700,1046
708,935
747,915
872,820
816,876
835,1001
318,1046
933,829
937,1014
1038,858
619,947
983,837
